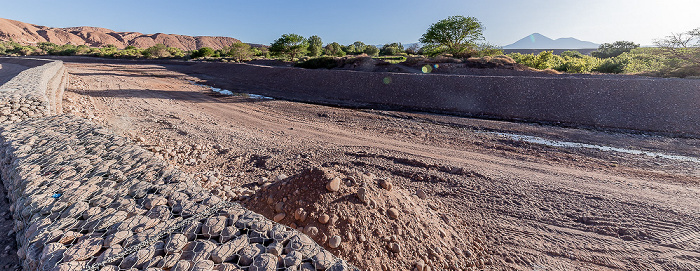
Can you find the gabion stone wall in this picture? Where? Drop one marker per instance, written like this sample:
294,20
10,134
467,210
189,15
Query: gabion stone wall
86,199
35,92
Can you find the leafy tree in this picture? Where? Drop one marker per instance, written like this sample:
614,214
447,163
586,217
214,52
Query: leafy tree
413,49
454,34
359,47
607,50
334,49
292,45
239,51
350,49
572,54
371,50
176,52
315,46
685,46
391,49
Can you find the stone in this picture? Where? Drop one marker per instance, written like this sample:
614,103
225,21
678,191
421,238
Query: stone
159,212
302,244
248,253
334,241
69,236
229,233
363,195
75,210
175,243
334,185
421,194
227,267
84,249
117,238
300,214
109,252
386,184
151,201
70,266
393,213
213,226
205,265
182,265
281,177
420,265
169,261
264,262
311,230
227,251
279,207
323,260
198,250
323,219
292,259
278,217
109,268
395,247
138,259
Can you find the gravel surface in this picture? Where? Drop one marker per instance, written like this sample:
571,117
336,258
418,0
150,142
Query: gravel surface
416,190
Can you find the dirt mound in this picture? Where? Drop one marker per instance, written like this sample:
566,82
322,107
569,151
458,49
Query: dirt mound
368,221
96,36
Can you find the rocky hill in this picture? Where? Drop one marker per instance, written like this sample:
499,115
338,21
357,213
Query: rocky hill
539,41
96,37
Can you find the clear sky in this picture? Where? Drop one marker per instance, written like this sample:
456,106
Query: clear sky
370,21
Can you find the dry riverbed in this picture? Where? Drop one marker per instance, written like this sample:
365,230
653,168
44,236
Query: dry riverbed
396,190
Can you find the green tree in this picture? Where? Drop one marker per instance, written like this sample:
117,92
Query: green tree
454,34
371,50
334,49
391,49
350,49
315,46
684,46
239,51
607,50
291,45
359,47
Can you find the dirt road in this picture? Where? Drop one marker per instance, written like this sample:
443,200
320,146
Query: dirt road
490,202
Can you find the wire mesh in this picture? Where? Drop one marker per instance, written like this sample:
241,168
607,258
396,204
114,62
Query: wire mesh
86,199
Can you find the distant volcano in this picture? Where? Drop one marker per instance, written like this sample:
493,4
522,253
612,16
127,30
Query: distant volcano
539,41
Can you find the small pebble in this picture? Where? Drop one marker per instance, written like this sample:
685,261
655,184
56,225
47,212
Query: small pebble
334,242
393,213
323,219
279,217
421,194
334,185
386,184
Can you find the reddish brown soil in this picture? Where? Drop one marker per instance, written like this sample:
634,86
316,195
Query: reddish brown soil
97,37
491,202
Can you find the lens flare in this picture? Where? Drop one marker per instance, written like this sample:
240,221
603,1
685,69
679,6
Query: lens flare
426,69
387,80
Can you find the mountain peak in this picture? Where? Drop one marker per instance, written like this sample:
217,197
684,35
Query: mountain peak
539,41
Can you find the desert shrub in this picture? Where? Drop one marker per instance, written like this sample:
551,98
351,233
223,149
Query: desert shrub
487,49
572,54
576,64
202,52
541,61
326,62
156,51
413,49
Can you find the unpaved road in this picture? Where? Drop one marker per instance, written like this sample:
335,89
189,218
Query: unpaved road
534,207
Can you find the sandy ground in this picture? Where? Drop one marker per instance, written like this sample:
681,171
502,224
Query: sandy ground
490,202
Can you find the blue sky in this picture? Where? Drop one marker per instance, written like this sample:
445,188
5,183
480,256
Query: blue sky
373,22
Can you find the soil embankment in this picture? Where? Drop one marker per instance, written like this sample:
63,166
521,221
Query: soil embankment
414,189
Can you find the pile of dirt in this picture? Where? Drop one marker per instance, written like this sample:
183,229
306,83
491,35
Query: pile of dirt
25,33
368,221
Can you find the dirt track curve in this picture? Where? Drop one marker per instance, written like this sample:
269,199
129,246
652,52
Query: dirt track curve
532,206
